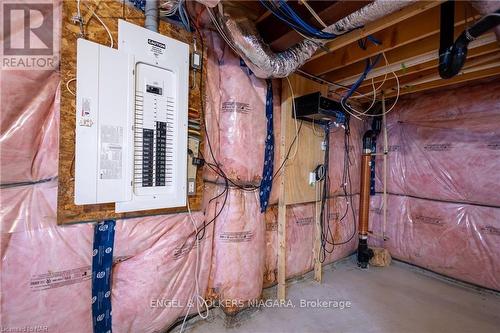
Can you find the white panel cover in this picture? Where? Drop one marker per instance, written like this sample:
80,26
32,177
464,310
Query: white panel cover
103,124
160,118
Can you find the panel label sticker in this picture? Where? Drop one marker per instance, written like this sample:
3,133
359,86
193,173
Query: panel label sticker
111,152
156,48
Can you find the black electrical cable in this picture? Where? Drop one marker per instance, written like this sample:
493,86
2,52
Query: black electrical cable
327,239
225,192
216,165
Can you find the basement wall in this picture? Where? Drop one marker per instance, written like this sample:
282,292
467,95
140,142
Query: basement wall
46,268
443,183
245,240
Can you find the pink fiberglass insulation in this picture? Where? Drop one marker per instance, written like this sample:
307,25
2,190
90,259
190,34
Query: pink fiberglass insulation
46,269
235,116
212,103
29,125
443,174
300,237
237,269
458,240
50,266
153,287
446,145
338,144
29,121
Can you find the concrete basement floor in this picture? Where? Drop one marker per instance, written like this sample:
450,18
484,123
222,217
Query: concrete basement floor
398,298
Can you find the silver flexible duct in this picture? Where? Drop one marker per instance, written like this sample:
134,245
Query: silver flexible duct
243,37
151,15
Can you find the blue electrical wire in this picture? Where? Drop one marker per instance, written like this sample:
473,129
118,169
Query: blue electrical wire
312,30
269,6
184,17
286,14
368,67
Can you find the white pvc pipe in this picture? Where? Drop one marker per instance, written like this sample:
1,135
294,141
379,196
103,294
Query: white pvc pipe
151,13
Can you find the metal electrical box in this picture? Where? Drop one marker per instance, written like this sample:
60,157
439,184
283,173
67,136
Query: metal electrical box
131,142
161,118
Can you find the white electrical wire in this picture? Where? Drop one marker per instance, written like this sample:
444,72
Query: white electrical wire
313,13
221,31
111,41
80,19
196,294
294,119
358,114
172,7
320,135
78,10
374,92
68,88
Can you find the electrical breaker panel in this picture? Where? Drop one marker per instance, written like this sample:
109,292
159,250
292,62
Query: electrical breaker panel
154,131
102,170
160,118
131,132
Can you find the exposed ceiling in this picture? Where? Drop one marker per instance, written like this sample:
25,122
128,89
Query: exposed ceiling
410,42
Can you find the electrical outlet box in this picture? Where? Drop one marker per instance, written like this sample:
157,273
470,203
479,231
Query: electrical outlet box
195,60
312,178
102,157
194,147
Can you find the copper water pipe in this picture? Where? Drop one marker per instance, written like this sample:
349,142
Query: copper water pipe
364,198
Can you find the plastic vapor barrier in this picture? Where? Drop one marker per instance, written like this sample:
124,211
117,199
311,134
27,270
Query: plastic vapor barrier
45,268
29,127
444,203
50,266
446,145
239,247
300,237
336,160
457,240
235,115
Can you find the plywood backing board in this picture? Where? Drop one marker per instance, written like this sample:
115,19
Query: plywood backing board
109,12
294,180
309,154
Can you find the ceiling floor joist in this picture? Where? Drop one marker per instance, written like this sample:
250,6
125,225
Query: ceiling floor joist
473,59
466,77
401,58
373,27
414,29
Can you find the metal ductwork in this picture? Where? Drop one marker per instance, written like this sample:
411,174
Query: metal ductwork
452,55
242,35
